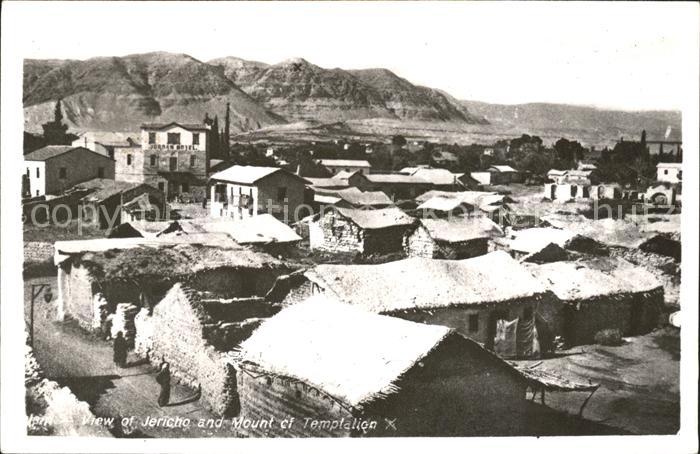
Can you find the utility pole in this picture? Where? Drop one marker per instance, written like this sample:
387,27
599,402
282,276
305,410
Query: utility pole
36,291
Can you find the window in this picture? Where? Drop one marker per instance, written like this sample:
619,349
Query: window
195,138
173,164
473,323
27,172
161,186
128,159
193,160
173,138
153,160
680,174
185,187
37,172
152,137
281,193
665,171
100,172
62,173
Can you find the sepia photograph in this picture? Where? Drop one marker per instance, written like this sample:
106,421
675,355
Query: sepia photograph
457,224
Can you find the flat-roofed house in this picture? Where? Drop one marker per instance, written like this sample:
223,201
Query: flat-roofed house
244,191
307,362
366,231
498,174
173,157
336,166
472,296
669,172
56,168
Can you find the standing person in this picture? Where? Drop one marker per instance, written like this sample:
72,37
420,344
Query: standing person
120,350
163,379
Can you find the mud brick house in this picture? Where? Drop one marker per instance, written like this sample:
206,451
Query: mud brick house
669,172
470,296
195,335
369,231
112,202
96,275
173,157
309,362
602,294
245,191
396,186
336,166
56,168
456,238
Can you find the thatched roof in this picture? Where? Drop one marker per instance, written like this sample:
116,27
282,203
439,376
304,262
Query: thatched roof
132,258
420,283
461,228
484,200
613,232
593,278
444,204
344,351
376,218
355,197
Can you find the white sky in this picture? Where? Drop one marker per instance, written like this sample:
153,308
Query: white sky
628,56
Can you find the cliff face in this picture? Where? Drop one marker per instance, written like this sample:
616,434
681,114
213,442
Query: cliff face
119,93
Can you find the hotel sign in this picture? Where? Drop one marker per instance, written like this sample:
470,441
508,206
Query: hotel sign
171,147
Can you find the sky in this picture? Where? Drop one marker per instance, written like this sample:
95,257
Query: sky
618,55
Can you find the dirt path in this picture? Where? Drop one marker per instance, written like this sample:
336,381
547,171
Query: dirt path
84,363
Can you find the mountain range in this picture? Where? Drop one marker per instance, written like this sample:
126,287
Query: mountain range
119,93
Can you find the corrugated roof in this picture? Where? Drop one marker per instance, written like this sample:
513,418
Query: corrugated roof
344,162
376,218
588,279
51,151
246,174
461,228
317,342
428,283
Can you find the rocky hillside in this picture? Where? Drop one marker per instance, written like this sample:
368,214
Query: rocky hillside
119,93
578,121
299,91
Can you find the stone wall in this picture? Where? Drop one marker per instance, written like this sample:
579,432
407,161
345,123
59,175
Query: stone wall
334,233
76,295
419,244
384,241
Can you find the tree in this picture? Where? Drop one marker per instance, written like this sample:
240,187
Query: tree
568,151
227,130
398,140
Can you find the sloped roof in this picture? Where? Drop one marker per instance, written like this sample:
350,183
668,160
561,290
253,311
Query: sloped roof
435,176
109,137
188,126
327,182
51,151
344,175
444,204
263,228
344,162
356,197
248,174
104,188
317,342
536,239
376,218
504,168
461,228
417,283
394,178
670,165
484,200
587,279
